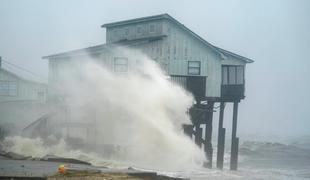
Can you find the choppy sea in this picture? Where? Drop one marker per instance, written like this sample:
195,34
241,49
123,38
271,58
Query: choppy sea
258,160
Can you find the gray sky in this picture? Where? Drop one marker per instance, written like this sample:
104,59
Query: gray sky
275,33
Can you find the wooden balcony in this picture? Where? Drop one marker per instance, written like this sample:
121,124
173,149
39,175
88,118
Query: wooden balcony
232,91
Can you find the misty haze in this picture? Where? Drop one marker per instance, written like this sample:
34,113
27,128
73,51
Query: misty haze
154,89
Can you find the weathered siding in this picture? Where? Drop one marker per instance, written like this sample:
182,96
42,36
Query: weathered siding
181,47
26,90
179,80
214,75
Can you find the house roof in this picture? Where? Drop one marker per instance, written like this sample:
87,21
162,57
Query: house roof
158,17
19,77
77,52
225,52
97,49
221,51
101,47
137,20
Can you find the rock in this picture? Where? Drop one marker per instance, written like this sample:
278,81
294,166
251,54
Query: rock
52,158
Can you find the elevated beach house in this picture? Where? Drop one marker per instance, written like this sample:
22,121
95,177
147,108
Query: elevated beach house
211,74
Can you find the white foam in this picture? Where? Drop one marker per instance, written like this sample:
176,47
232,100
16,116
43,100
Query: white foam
141,111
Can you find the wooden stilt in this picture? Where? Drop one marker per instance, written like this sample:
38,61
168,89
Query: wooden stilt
221,139
208,135
234,140
198,136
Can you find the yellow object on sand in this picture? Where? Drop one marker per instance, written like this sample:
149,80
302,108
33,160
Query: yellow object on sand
62,169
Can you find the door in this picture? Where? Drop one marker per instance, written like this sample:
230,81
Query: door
197,86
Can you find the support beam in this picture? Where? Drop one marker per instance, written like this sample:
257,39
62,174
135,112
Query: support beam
208,135
221,139
234,155
198,136
234,140
221,149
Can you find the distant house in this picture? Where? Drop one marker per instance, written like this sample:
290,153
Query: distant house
21,101
211,74
16,89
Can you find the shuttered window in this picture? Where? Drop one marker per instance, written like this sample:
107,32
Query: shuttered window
152,28
232,75
194,67
240,75
224,75
8,88
139,30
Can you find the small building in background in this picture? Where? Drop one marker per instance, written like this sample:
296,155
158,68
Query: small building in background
22,101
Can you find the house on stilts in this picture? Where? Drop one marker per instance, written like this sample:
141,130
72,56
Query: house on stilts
211,74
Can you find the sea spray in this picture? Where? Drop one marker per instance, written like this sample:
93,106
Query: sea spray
141,110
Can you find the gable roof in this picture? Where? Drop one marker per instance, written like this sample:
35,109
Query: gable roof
99,48
19,77
138,20
89,50
159,17
225,52
220,51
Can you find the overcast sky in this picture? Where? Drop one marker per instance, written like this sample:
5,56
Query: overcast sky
274,33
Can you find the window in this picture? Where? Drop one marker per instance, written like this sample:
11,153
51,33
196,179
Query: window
232,75
240,75
120,64
194,67
8,88
127,31
152,28
115,32
139,29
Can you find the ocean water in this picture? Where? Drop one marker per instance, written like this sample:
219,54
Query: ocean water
257,160
264,160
